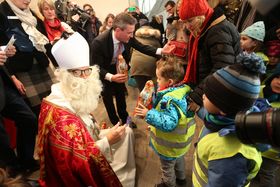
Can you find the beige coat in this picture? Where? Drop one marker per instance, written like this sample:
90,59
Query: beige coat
140,63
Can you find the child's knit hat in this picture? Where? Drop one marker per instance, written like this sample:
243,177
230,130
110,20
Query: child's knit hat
236,87
255,31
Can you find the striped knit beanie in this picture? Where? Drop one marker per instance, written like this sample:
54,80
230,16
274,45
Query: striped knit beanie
236,87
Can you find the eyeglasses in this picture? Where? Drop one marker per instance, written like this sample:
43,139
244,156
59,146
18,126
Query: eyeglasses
89,10
169,9
78,72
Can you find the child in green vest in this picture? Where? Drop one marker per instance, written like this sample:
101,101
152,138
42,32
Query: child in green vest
221,159
171,129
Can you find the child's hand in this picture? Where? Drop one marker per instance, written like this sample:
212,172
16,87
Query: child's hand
141,110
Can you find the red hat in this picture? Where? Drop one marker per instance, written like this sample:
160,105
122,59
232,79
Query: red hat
273,48
193,8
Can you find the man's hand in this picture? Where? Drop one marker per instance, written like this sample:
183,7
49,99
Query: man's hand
11,51
168,49
137,10
193,106
119,78
126,10
75,17
115,134
19,85
141,110
3,58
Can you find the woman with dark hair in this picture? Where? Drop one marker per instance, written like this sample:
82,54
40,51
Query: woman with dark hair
92,25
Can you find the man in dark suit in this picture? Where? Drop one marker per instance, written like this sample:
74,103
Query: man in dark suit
13,107
104,52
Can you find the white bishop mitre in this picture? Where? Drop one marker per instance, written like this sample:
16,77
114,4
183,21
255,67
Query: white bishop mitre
71,53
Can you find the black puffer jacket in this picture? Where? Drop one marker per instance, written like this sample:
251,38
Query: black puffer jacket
22,61
218,47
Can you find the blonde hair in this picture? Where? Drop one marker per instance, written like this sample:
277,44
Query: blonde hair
171,68
41,4
5,181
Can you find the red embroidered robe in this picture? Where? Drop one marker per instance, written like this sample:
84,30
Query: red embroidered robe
68,155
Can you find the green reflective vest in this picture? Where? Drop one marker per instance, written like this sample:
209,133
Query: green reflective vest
214,147
275,104
272,154
177,142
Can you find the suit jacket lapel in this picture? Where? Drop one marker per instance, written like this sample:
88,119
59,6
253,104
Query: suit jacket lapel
110,45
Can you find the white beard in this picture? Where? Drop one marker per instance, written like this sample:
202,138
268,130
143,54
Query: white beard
83,94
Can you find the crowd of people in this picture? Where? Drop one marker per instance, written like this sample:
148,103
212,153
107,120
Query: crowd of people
211,61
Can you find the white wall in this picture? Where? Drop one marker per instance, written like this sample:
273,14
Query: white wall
104,7
101,7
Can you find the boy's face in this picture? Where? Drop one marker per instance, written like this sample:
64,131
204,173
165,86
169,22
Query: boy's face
275,84
273,60
161,81
209,106
247,43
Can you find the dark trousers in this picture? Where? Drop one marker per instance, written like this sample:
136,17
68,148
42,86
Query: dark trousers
118,90
268,173
141,81
26,124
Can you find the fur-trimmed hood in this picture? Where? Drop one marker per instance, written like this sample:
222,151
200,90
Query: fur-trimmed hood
147,31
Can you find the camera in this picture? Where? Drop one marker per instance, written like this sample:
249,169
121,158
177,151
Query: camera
259,127
83,14
65,9
170,19
132,9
